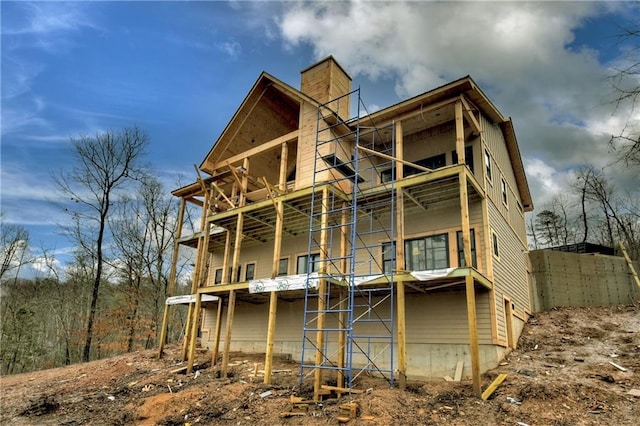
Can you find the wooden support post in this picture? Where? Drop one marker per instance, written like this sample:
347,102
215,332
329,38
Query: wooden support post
194,333
277,243
200,257
225,260
459,132
227,335
400,263
216,336
234,265
473,335
271,331
187,333
172,277
343,294
322,294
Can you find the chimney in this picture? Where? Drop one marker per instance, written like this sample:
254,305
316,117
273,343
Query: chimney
326,81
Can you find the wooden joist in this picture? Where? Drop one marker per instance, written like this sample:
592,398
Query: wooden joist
337,389
493,386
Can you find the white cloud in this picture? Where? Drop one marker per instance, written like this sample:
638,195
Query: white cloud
519,53
230,47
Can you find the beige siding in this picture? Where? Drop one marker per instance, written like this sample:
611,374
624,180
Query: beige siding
502,169
436,324
510,269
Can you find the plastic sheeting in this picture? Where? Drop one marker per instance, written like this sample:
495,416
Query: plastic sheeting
185,299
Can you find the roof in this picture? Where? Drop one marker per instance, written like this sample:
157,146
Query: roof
265,85
268,86
465,86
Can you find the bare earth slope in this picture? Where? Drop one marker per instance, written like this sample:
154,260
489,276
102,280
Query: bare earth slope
561,374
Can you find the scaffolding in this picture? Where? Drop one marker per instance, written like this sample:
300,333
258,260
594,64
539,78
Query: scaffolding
349,315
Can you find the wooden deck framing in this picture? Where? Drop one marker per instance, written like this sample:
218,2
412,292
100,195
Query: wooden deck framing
256,222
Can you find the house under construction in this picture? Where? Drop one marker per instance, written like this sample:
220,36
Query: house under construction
390,243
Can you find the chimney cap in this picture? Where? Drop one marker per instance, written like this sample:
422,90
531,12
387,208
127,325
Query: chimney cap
328,58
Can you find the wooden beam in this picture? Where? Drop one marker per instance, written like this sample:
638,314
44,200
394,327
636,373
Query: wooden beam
400,260
471,119
271,331
459,132
194,333
267,146
322,301
231,308
391,158
493,386
234,265
474,350
172,276
216,336
413,199
277,244
342,294
234,173
270,196
634,274
200,180
464,218
192,314
221,192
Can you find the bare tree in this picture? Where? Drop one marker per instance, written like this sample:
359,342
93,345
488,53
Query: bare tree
14,240
625,81
105,164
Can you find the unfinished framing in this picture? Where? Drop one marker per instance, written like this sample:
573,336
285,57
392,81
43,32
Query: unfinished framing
379,223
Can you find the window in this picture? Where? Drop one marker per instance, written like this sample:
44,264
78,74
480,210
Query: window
435,162
388,257
468,157
503,185
487,164
303,261
283,266
427,253
432,163
386,176
494,238
474,260
249,271
218,277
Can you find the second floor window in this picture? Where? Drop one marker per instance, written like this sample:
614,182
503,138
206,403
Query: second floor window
487,164
420,254
283,266
427,253
474,260
250,271
312,260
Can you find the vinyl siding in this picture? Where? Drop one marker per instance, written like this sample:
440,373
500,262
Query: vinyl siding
433,321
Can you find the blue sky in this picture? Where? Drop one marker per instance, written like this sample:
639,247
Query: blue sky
179,70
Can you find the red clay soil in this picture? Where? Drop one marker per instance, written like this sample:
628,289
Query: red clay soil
562,373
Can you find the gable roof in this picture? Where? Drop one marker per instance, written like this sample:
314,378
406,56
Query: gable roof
265,86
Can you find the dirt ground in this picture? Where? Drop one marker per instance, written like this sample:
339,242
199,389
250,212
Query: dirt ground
560,374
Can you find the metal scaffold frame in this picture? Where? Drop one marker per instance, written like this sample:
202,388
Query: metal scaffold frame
348,323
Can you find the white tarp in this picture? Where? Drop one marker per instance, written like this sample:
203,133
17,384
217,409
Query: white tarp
298,282
431,274
185,299
284,283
